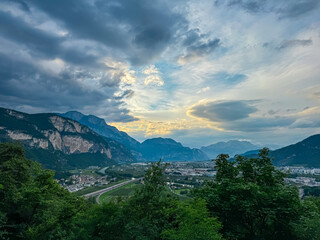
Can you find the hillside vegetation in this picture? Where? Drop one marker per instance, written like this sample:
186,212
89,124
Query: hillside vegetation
247,200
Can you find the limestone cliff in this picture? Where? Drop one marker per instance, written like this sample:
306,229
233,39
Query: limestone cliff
64,141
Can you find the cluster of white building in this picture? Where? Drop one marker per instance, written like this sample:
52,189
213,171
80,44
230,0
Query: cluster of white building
300,170
305,181
78,182
185,169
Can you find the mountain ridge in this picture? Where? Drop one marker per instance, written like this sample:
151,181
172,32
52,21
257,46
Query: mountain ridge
168,149
297,154
230,147
139,150
55,141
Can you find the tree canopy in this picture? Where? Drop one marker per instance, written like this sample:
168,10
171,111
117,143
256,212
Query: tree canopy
251,200
248,199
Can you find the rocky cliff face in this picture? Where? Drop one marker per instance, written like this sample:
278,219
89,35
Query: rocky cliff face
59,139
53,134
101,127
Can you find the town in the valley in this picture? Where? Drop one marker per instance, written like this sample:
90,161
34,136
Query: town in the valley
180,177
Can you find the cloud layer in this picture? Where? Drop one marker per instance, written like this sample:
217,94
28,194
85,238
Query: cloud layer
220,111
198,71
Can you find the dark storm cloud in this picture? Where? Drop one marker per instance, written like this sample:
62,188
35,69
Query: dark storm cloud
258,124
142,29
126,94
273,112
84,20
23,82
80,35
54,53
235,116
35,39
294,43
205,48
294,9
220,111
22,4
40,43
252,6
23,85
197,45
192,37
283,8
249,5
288,44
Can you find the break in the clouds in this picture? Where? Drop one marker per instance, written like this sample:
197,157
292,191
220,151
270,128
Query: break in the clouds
198,71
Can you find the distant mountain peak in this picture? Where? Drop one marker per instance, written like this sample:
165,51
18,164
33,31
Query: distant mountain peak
169,150
230,147
75,114
78,116
162,141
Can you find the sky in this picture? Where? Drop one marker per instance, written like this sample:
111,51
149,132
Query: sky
197,71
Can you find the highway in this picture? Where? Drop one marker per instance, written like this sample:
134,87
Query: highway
102,191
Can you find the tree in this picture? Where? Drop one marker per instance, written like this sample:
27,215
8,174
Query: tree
251,200
191,221
158,214
147,206
152,213
33,205
308,225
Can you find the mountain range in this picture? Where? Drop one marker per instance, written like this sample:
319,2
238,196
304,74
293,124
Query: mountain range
150,150
231,147
75,140
169,150
58,142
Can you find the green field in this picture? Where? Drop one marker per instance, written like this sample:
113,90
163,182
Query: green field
178,191
124,191
95,188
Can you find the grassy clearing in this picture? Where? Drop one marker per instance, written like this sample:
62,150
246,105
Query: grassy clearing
178,191
124,191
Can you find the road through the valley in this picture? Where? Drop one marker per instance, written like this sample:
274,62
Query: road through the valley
102,191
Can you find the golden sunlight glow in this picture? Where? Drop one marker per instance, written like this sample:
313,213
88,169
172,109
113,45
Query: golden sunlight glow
150,128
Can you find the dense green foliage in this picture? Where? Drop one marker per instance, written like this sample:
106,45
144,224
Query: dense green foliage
311,191
151,213
252,202
247,200
33,205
